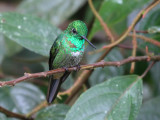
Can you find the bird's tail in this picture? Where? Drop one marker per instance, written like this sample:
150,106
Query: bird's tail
53,89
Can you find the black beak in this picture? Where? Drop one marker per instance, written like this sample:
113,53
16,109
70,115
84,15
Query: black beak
88,41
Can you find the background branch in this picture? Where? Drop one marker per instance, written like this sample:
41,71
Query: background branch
103,24
134,43
12,114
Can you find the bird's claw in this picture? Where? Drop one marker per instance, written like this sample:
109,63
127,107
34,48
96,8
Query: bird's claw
66,69
78,67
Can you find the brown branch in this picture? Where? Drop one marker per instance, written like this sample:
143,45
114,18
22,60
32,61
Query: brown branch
149,67
12,114
154,42
151,6
82,67
138,31
134,42
103,24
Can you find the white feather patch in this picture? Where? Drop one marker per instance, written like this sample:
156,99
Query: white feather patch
75,53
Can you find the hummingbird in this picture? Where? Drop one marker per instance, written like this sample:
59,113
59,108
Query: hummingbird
66,51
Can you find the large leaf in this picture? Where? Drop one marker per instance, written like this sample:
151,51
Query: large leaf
118,98
114,13
150,110
53,112
55,11
18,66
151,19
21,98
30,32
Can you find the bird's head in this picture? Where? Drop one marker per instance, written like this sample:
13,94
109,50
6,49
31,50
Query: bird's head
79,30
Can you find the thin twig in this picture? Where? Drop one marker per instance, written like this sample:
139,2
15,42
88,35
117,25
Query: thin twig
138,31
134,42
12,114
150,40
103,24
153,4
149,67
154,42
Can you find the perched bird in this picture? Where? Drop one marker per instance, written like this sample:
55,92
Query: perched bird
66,51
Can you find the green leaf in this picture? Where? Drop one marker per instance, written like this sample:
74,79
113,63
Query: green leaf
21,98
151,19
118,98
56,11
18,66
30,32
114,13
53,112
101,74
150,110
88,14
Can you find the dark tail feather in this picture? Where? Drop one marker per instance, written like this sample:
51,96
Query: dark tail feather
53,89
55,86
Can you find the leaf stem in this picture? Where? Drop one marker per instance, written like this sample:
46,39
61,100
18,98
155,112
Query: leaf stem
154,42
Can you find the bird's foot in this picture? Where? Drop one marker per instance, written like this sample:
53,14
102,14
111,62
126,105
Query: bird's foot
78,67
66,69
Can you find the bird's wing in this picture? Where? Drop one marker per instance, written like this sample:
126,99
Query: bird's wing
54,83
53,52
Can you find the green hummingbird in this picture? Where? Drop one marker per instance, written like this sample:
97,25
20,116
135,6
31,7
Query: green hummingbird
66,51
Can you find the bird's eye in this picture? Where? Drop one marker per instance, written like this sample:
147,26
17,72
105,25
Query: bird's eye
74,31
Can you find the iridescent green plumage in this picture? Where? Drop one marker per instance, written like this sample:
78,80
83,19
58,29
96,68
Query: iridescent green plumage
67,51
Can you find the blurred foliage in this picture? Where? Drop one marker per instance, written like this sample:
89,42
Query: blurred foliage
150,110
27,34
151,23
52,10
22,98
